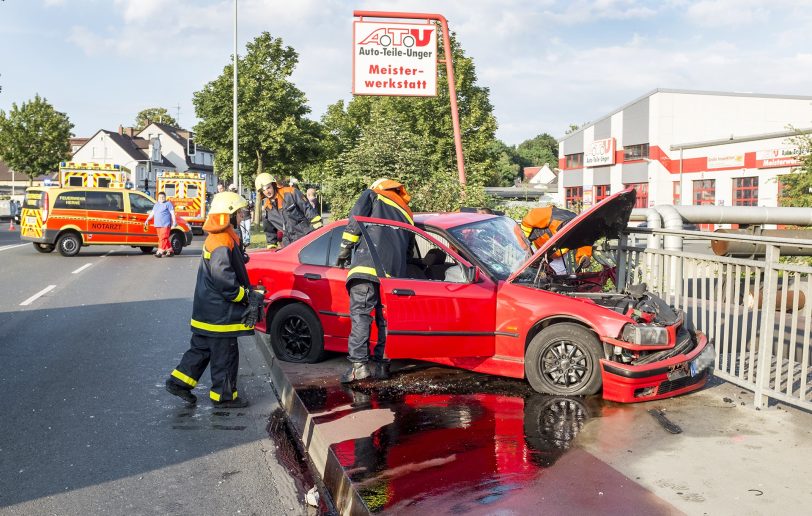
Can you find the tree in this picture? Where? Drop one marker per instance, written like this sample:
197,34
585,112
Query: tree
34,137
426,122
154,114
797,187
507,166
537,151
274,135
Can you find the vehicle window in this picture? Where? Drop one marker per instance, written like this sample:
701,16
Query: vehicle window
140,204
497,243
76,181
169,189
105,201
34,200
103,182
425,260
71,201
335,245
315,253
191,191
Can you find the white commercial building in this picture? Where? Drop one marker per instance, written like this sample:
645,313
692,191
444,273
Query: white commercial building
686,147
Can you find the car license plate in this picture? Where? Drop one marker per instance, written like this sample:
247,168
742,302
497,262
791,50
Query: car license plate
704,361
30,221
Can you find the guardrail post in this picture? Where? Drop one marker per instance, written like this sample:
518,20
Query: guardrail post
767,324
621,262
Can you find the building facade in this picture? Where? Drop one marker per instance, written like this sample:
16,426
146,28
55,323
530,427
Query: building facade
686,147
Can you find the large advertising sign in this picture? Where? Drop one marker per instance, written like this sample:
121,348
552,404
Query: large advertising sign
394,59
775,158
725,161
601,153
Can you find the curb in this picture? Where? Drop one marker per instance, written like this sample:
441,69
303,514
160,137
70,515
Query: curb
325,466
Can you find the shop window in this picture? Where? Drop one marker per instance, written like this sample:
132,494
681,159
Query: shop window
601,192
705,192
635,152
677,193
575,160
641,201
574,196
745,191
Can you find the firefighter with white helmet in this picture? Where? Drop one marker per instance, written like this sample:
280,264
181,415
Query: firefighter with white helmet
385,199
285,209
224,308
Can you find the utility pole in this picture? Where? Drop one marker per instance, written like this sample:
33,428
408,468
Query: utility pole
235,160
177,116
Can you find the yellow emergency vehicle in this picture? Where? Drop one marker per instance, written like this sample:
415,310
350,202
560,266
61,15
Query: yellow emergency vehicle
69,218
187,192
103,175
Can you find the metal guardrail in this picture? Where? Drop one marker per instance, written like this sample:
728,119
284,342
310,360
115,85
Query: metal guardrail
758,313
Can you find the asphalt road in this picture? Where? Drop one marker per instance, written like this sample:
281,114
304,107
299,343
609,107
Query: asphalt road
88,427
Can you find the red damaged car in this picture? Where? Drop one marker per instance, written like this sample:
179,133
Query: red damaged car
478,298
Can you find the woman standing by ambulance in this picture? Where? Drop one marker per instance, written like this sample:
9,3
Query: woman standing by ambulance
164,214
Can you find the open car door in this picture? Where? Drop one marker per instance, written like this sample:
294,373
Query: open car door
442,307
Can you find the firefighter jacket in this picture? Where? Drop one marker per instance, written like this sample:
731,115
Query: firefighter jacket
391,245
221,291
540,224
299,216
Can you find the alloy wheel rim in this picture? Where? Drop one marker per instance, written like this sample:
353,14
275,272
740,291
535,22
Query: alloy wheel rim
564,364
295,337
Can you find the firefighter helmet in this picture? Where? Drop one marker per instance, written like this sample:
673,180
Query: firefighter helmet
263,180
227,202
385,184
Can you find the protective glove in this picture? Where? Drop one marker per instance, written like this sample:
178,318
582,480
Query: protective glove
344,257
253,312
245,257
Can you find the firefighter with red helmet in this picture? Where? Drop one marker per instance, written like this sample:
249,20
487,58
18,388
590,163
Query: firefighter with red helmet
385,199
224,308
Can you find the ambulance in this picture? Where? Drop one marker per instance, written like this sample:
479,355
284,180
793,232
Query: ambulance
187,192
68,219
92,175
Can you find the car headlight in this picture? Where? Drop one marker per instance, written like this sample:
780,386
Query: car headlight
645,334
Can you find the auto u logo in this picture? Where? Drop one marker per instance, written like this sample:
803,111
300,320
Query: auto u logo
396,37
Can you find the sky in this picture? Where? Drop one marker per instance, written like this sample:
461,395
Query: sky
547,63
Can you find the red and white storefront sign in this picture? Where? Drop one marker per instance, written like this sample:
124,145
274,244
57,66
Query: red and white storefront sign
394,59
602,152
726,161
775,158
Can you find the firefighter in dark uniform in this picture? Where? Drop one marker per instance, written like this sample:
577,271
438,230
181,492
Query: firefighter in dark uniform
540,224
224,308
285,209
385,199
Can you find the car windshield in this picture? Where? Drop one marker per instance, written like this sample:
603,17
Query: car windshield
497,243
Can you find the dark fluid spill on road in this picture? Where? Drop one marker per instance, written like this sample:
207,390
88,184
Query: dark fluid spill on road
477,437
290,456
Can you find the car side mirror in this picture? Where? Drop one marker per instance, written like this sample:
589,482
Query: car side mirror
473,274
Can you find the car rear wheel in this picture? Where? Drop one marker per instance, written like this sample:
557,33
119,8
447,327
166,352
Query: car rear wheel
296,335
176,240
69,244
564,359
146,249
43,248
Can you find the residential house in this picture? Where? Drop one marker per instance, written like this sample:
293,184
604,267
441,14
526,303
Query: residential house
180,148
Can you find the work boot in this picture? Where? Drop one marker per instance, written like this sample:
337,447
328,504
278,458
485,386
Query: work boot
180,392
380,369
357,371
238,403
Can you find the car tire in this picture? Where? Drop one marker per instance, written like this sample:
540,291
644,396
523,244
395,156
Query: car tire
563,359
176,240
69,244
146,249
43,248
296,334
551,423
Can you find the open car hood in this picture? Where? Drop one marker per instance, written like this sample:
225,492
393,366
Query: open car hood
604,220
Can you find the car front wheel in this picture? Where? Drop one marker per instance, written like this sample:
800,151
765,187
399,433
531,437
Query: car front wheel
563,359
296,334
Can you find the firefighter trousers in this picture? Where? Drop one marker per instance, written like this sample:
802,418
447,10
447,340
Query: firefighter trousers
222,354
365,296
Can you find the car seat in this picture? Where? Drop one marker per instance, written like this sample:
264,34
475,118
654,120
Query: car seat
435,264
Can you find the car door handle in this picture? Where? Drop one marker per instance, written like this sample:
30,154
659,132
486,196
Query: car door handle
311,276
403,292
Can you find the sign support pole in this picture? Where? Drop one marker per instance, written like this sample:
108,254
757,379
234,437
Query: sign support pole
449,66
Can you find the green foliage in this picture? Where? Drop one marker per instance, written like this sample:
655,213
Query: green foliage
154,114
797,187
537,151
34,137
506,168
358,137
274,135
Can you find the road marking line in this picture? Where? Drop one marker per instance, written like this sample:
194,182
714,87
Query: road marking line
83,267
38,294
3,248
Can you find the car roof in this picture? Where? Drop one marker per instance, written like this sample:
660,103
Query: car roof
450,220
